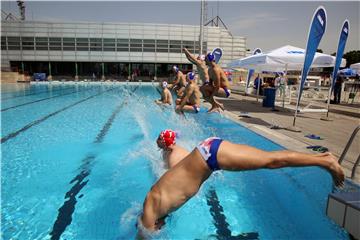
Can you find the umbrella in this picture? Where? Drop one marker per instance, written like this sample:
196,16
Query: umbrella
287,57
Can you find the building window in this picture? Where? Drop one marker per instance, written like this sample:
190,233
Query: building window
55,44
3,43
82,44
95,44
41,43
27,43
13,43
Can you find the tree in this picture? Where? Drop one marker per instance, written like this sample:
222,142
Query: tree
352,57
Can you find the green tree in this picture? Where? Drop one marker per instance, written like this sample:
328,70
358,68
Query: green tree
352,57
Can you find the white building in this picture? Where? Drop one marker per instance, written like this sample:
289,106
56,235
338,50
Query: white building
115,50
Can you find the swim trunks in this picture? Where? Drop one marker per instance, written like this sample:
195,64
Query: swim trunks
208,150
196,108
227,92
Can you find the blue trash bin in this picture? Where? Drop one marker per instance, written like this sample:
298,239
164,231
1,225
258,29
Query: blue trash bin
269,97
39,76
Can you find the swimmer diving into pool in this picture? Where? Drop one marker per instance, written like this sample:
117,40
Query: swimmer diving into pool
183,181
166,97
190,101
219,84
200,64
179,83
171,152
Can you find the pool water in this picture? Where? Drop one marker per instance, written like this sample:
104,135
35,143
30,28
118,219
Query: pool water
78,160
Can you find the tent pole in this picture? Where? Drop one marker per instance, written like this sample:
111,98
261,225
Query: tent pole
329,96
297,105
258,88
283,94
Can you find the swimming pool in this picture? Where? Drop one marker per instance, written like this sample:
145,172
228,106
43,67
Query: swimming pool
78,160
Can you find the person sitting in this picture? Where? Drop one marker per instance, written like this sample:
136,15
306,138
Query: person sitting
218,86
166,97
184,179
190,102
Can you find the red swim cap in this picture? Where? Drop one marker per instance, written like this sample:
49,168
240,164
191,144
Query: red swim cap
168,137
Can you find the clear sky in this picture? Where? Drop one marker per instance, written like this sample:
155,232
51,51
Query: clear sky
266,25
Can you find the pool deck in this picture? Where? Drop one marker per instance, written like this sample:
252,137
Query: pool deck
335,133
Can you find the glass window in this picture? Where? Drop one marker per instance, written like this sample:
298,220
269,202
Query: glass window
82,40
55,48
12,43
68,39
175,42
95,40
82,49
41,39
42,48
107,40
28,47
135,41
162,50
175,50
27,39
119,49
162,41
27,43
109,49
134,45
95,49
123,45
55,40
149,49
149,41
109,44
13,48
3,43
82,44
149,45
123,40
69,43
68,48
135,49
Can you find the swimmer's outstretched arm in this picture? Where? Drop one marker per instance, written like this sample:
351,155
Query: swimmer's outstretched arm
190,57
236,157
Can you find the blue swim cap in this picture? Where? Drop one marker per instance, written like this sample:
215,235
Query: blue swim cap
191,76
210,57
176,69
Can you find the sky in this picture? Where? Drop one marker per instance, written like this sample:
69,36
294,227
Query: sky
265,24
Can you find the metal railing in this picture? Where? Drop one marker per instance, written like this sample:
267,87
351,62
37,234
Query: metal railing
351,139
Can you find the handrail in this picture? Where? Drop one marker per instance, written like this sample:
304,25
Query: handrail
354,167
351,139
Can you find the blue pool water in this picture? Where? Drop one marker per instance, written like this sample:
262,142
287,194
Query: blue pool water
78,160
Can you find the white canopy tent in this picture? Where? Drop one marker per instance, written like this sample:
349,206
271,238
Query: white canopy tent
356,66
282,59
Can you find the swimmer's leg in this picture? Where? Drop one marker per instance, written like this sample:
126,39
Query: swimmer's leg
236,157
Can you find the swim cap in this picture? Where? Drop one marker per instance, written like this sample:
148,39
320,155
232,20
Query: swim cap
210,57
168,137
164,84
191,76
175,68
201,57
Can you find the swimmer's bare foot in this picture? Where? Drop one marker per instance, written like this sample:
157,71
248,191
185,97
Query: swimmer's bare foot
335,170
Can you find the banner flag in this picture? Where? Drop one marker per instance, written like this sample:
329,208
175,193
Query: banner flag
316,31
217,53
340,50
